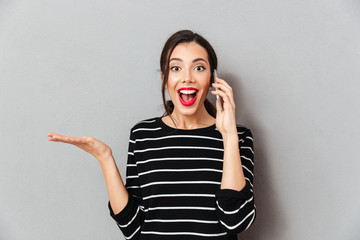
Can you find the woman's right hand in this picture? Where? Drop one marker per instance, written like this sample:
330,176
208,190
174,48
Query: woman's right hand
90,144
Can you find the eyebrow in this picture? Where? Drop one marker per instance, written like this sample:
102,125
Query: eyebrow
195,60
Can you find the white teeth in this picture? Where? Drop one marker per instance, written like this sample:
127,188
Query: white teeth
188,91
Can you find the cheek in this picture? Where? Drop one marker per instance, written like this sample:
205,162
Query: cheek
173,77
171,86
205,83
173,80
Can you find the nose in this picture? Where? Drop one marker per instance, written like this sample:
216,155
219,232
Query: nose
188,77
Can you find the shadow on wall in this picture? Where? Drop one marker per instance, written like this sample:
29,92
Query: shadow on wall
269,222
269,218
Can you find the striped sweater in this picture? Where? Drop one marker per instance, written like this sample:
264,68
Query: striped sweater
173,178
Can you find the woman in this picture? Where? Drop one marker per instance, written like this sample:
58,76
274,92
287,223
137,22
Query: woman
189,172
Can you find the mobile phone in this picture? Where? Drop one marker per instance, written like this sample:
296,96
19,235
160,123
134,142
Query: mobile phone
217,96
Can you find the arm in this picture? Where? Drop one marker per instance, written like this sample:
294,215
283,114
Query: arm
123,207
236,208
130,218
117,192
233,175
234,201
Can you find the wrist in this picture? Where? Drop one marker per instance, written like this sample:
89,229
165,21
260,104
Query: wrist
230,139
105,157
230,136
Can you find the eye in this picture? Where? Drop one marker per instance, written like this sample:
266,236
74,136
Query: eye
199,68
175,68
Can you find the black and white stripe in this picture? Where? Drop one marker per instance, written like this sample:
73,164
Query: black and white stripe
174,178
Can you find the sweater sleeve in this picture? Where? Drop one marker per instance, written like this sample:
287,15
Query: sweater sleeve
130,218
236,209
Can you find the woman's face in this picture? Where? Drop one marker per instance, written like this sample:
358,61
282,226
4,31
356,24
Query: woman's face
189,78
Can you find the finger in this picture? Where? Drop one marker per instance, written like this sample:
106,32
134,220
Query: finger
50,134
221,106
226,104
225,97
219,110
226,89
54,136
60,138
223,82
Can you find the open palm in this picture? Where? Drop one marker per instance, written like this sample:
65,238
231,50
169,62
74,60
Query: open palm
89,144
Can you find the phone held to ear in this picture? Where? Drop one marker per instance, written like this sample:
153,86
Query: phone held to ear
217,96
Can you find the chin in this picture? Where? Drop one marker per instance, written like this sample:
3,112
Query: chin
186,111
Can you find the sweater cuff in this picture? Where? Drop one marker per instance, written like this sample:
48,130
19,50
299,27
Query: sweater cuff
244,193
127,213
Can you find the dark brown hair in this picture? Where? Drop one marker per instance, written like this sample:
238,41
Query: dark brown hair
185,36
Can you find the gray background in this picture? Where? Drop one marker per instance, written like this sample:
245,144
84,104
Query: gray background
91,68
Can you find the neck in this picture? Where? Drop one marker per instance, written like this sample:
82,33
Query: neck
198,120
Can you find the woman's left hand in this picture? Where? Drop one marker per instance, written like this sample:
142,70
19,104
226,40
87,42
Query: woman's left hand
225,120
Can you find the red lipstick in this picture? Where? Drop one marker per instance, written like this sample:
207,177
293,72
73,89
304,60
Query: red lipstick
187,95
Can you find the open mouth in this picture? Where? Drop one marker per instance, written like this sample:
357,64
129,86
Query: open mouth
187,96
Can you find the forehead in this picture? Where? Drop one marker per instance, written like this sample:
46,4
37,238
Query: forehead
189,51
